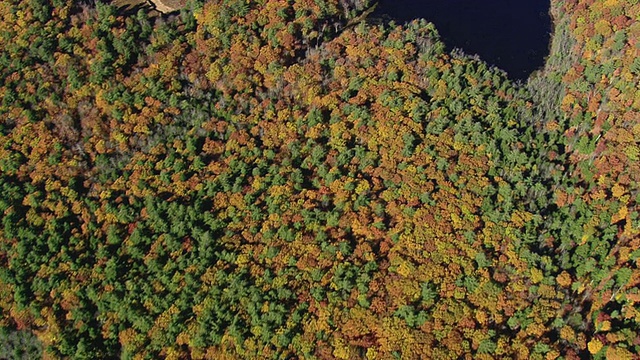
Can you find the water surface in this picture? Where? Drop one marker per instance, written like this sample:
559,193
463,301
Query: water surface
514,35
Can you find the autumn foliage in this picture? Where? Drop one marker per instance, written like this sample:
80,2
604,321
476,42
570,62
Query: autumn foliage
281,179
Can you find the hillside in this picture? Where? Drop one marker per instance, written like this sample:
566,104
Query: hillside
278,179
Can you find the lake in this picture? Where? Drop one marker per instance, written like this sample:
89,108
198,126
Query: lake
514,35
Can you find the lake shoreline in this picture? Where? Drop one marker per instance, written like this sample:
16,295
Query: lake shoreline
515,37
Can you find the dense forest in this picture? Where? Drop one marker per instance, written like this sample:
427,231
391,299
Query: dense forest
288,179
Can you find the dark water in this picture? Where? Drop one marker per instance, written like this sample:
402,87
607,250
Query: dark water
514,35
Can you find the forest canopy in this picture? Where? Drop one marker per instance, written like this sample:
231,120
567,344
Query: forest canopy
287,179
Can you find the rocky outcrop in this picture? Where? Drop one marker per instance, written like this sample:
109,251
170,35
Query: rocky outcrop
167,6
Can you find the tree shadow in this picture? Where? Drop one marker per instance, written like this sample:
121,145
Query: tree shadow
513,35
